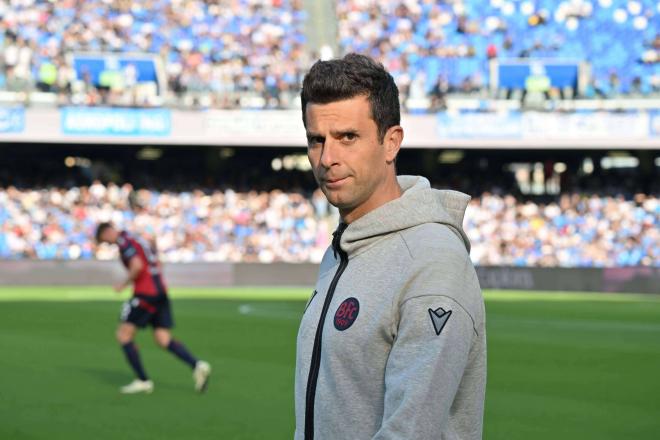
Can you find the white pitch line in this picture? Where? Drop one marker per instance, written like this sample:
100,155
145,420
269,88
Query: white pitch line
266,312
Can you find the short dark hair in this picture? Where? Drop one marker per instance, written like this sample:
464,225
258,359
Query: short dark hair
101,228
354,75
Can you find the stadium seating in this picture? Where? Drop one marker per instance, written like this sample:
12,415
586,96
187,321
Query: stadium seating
449,44
252,54
576,231
216,52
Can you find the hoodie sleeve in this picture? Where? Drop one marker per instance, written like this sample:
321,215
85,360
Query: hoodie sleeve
430,353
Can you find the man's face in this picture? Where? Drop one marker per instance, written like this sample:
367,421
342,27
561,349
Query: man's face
109,235
349,162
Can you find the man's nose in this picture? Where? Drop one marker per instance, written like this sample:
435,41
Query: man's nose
329,153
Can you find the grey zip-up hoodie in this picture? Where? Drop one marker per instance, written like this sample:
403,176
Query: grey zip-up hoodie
392,344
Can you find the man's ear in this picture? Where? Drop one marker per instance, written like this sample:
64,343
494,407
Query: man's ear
392,142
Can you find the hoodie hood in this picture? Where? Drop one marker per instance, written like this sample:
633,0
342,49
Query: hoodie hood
419,204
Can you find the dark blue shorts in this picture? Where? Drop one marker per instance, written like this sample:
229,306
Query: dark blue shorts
147,310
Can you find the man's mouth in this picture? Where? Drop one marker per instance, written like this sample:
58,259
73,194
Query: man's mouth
334,182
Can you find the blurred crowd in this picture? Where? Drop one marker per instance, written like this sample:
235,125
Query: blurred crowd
59,223
252,53
217,51
438,48
574,231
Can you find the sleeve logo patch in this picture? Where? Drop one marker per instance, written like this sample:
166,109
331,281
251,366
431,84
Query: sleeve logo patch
347,313
439,318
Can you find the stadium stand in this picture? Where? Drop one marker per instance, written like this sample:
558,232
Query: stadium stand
222,54
437,48
573,232
251,54
570,231
57,223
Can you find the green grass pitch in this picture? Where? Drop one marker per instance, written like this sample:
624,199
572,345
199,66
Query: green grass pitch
567,366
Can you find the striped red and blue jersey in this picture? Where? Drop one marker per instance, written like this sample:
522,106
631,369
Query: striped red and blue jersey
150,280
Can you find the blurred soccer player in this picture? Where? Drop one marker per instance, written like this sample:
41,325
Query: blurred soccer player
149,305
392,344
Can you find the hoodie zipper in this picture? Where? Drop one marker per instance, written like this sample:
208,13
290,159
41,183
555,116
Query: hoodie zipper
313,377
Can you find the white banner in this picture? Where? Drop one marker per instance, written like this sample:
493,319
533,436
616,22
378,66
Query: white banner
273,128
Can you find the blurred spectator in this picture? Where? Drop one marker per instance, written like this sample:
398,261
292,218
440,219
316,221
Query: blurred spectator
574,231
438,94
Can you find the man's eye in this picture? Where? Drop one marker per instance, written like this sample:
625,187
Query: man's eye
350,136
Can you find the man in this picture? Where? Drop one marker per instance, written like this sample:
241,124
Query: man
150,305
392,344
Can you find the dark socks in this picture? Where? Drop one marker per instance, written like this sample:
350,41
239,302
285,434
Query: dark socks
180,351
133,358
